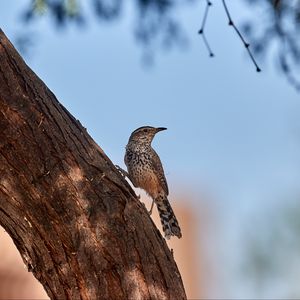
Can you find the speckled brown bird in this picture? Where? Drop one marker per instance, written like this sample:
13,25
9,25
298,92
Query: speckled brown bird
145,171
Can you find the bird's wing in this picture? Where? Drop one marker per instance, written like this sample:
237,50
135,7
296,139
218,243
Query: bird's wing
158,168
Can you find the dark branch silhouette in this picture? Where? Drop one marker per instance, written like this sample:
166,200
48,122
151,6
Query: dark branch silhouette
247,45
201,30
157,25
230,23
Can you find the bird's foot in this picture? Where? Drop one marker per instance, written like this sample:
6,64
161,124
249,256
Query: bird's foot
122,171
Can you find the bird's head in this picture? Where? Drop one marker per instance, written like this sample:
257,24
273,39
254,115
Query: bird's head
145,134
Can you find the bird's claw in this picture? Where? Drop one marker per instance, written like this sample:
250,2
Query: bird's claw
121,171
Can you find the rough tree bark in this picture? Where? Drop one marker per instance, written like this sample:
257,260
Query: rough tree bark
76,222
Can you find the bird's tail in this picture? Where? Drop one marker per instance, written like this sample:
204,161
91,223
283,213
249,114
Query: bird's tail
167,217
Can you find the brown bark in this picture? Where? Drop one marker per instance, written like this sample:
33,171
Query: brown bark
76,222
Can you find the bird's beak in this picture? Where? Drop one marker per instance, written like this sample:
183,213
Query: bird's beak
158,129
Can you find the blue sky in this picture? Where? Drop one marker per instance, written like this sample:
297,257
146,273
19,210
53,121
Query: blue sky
232,132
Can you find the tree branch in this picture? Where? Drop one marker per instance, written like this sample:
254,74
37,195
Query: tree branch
230,23
77,224
247,45
201,30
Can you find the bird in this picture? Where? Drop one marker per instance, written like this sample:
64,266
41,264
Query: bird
145,171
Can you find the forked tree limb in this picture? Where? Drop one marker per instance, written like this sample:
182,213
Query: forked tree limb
77,224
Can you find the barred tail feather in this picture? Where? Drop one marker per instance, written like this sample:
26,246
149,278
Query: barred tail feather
167,217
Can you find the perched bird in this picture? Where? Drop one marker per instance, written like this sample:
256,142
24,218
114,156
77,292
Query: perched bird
145,171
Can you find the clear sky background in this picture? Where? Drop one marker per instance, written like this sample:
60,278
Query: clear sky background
233,134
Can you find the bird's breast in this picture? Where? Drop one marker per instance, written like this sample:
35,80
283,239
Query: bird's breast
142,174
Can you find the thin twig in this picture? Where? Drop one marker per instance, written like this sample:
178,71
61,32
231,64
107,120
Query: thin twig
201,30
208,4
247,45
207,45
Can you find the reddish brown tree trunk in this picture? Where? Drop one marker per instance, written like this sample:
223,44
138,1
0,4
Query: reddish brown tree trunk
77,224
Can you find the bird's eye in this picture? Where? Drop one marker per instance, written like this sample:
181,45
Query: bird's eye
145,130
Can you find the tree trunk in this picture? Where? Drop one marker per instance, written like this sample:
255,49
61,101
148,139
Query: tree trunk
77,224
